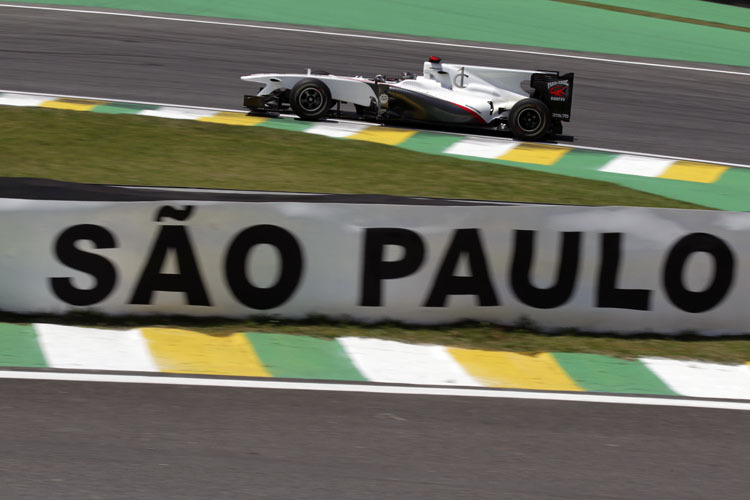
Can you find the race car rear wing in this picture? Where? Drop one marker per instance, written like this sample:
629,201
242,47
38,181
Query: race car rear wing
555,91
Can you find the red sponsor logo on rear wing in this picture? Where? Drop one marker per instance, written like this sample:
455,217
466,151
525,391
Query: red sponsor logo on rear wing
559,91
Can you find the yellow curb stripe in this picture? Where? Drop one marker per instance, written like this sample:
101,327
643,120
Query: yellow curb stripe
694,171
72,104
515,371
229,118
381,135
183,351
535,153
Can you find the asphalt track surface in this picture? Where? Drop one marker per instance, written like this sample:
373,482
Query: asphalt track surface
649,109
63,440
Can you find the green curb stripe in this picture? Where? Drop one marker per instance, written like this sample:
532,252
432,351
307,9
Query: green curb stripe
430,142
582,163
294,356
732,189
19,347
598,373
575,163
288,124
120,108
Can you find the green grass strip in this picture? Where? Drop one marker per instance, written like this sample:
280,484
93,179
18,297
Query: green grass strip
19,347
127,149
598,373
295,356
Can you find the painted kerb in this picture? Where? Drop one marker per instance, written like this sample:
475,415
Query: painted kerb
359,359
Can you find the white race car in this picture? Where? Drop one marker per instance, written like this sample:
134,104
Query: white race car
532,104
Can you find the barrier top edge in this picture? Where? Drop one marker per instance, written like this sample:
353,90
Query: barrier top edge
25,188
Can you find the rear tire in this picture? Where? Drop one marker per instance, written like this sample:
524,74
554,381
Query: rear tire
310,99
529,119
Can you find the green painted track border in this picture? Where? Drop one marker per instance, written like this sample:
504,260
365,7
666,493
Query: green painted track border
532,23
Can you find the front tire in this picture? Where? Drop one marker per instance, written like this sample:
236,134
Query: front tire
310,99
529,119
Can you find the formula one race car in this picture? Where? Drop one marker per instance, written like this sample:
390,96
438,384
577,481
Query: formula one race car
532,104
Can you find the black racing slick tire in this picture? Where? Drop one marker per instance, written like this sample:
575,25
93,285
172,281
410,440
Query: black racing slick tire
310,99
529,119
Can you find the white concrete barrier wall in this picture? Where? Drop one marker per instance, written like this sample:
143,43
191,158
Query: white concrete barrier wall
596,269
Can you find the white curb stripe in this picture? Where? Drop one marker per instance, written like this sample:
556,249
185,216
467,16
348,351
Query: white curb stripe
392,362
337,130
94,349
116,100
481,148
23,99
637,165
702,380
178,113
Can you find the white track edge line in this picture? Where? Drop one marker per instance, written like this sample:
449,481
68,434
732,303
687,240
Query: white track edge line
374,37
109,99
374,389
654,155
459,134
